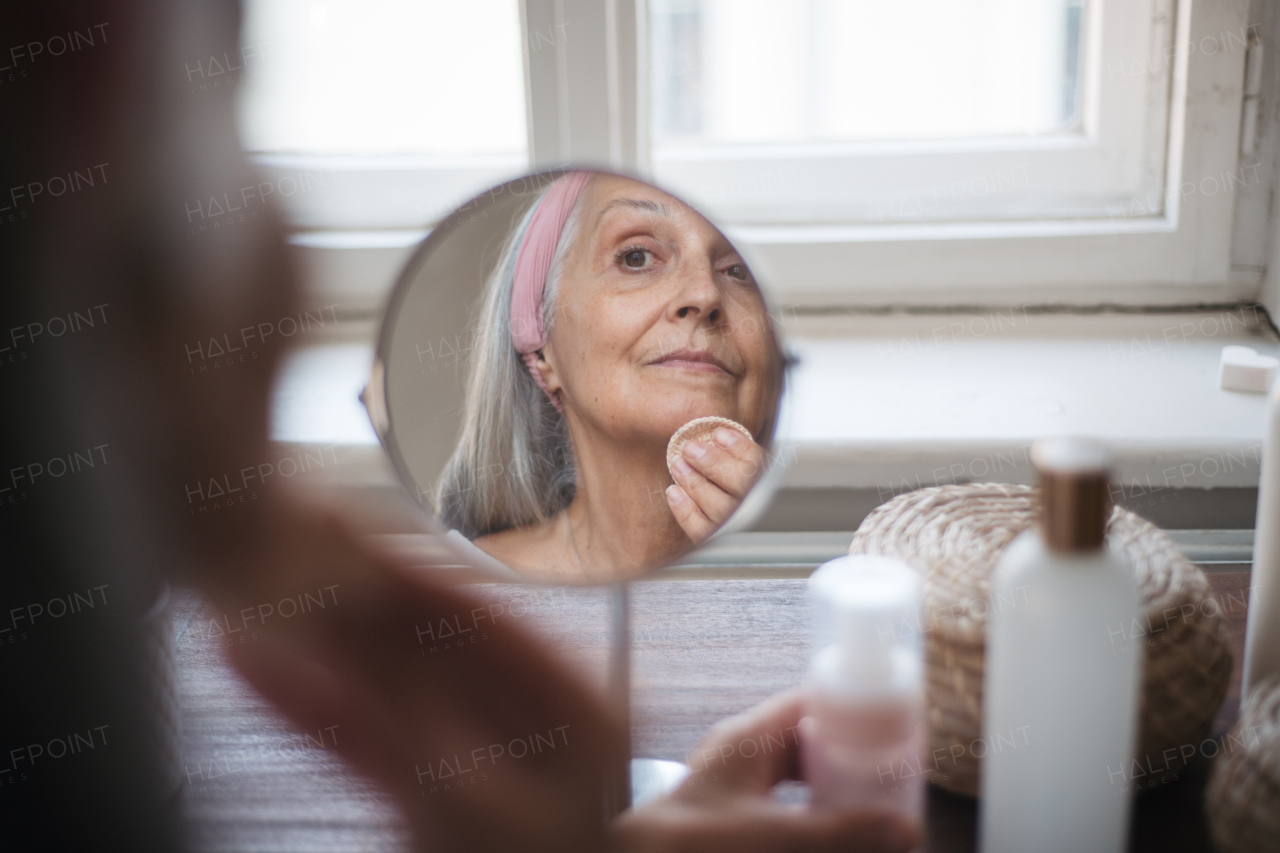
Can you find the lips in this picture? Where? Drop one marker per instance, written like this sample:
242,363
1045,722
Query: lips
690,359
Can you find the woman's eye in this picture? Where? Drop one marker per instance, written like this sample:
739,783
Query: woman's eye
738,271
635,258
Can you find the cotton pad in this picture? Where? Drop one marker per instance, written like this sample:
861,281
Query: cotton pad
699,429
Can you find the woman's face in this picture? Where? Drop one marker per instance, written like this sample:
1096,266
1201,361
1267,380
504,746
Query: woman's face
657,320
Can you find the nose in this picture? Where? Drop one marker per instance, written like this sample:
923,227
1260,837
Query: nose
698,296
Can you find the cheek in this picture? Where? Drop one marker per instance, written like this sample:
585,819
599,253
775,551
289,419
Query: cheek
607,327
590,341
750,335
755,344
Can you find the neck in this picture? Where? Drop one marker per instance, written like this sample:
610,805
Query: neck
619,519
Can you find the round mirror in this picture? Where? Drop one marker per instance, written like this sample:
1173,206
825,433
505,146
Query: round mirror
579,374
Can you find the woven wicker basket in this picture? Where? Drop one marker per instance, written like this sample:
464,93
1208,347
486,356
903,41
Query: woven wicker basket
953,535
1243,797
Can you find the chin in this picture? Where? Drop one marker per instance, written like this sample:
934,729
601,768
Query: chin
677,413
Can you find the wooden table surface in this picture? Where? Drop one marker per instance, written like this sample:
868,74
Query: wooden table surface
703,649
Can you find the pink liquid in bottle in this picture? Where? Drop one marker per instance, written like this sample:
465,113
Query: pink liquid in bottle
864,732
865,755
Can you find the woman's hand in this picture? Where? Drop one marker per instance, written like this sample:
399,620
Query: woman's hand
725,803
484,738
711,479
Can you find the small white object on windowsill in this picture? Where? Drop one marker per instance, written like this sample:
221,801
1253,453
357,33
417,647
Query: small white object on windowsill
1243,369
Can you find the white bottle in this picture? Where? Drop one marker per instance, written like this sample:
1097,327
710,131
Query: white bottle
864,728
1262,634
1063,666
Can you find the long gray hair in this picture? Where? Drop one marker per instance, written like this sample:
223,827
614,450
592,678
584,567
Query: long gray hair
514,464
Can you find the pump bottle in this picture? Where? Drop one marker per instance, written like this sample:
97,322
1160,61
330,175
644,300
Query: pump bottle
864,728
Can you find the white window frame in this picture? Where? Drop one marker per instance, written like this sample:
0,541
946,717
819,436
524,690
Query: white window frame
586,104
378,192
1112,162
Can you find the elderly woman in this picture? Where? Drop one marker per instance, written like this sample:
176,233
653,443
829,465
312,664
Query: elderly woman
616,315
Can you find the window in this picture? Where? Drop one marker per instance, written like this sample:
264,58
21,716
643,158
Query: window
395,110
936,110
833,71
864,153
1039,151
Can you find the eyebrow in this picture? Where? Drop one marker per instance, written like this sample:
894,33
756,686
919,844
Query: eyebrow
641,204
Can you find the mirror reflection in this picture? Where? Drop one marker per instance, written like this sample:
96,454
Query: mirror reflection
621,387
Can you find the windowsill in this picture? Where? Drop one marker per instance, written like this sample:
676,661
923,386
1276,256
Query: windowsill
894,403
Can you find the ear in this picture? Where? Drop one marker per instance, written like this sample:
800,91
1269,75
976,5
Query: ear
546,366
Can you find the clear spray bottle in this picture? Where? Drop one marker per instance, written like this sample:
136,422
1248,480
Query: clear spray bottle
864,729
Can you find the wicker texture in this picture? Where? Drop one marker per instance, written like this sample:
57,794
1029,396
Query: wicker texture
953,536
1243,797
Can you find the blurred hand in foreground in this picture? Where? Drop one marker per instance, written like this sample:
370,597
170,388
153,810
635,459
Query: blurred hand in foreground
725,804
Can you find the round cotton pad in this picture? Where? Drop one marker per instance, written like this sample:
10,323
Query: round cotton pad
699,429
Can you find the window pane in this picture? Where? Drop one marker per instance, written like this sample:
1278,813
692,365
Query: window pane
751,71
383,77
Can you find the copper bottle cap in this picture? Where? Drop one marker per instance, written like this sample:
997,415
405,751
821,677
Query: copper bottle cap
1075,499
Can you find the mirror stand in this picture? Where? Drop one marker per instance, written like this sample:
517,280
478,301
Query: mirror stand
631,781
618,780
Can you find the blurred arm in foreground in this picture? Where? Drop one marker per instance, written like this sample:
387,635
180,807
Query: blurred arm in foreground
127,200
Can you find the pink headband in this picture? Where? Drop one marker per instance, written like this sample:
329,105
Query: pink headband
533,262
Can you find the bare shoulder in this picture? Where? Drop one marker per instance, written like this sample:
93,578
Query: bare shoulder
535,551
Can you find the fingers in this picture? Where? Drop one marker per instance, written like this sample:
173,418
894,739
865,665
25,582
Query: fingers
717,476
752,751
747,824
711,479
713,502
731,460
360,665
691,518
725,804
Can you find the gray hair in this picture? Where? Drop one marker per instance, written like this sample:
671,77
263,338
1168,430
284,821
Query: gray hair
514,463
